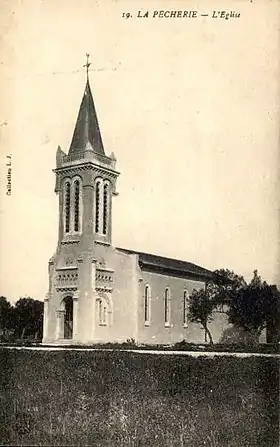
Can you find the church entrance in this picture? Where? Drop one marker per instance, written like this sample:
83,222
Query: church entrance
68,317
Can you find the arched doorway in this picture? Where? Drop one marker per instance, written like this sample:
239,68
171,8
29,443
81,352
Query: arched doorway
68,317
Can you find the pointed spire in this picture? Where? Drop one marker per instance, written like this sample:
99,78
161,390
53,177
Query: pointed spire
87,132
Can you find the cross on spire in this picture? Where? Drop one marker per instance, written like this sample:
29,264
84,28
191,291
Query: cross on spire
87,64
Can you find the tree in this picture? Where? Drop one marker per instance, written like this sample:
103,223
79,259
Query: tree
29,317
250,307
224,287
218,293
254,306
200,310
5,314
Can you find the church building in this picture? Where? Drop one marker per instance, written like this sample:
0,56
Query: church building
99,293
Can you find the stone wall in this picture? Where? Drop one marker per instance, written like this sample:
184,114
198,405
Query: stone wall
157,332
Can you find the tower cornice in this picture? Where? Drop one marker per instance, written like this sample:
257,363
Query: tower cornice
71,168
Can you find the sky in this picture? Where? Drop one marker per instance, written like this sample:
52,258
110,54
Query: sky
190,107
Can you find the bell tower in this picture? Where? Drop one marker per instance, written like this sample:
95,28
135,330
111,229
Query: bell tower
85,182
85,185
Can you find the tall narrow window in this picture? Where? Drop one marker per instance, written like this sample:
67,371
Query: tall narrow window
76,205
185,308
147,304
102,313
67,207
105,208
97,206
167,307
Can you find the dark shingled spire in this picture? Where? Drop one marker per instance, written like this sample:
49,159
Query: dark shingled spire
86,134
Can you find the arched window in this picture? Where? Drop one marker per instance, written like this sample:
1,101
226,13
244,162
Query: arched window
67,207
167,307
185,308
76,205
147,304
105,208
102,312
97,206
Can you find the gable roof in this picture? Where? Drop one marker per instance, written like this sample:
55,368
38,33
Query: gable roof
170,266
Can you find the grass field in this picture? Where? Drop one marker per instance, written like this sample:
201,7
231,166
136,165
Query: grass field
101,398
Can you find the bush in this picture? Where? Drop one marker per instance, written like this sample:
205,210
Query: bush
235,335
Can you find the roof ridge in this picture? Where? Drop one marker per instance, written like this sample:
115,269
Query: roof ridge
165,258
